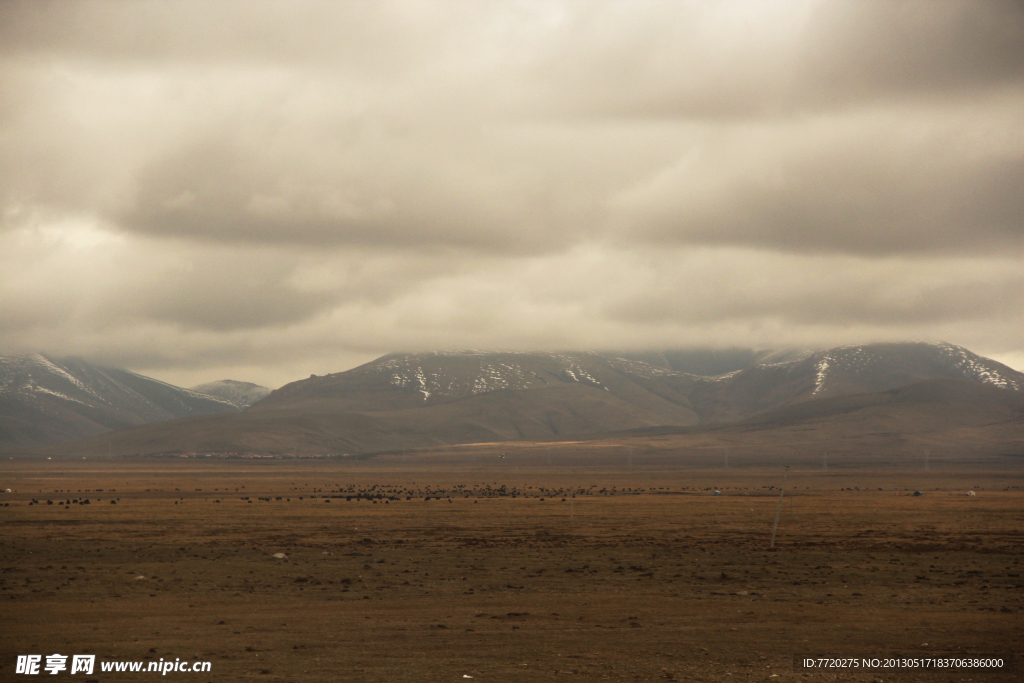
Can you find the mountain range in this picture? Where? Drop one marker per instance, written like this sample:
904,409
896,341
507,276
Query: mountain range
46,400
403,401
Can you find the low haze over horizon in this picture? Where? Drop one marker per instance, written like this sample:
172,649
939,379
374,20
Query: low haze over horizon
265,190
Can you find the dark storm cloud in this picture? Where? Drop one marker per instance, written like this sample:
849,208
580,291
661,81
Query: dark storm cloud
81,274
402,126
870,192
368,38
836,293
858,50
223,192
276,188
775,59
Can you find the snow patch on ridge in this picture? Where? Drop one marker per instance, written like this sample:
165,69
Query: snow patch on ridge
475,372
43,390
976,367
822,372
61,372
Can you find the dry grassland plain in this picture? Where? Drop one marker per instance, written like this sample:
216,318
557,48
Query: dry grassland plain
644,575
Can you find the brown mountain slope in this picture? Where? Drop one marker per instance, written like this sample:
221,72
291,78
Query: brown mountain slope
951,414
317,426
422,380
956,417
656,394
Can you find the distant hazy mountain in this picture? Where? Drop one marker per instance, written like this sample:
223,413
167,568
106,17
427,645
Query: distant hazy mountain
415,400
241,394
44,400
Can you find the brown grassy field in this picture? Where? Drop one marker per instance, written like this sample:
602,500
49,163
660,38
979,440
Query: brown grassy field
644,576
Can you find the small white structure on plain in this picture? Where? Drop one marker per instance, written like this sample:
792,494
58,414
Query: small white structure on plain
969,493
280,556
716,492
7,490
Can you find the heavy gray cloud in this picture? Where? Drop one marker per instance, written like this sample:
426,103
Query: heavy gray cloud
269,189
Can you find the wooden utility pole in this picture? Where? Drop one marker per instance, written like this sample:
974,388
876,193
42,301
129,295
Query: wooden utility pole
778,508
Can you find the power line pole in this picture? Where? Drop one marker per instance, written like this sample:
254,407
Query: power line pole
778,508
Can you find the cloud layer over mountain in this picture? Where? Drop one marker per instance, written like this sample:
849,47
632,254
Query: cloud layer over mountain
262,190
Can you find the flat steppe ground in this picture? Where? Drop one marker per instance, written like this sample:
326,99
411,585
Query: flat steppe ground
645,575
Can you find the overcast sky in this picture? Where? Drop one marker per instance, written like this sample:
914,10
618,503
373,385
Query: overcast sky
264,190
